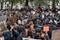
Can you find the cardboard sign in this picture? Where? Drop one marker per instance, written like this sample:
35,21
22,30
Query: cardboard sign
46,28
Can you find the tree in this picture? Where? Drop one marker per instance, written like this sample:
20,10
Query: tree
42,2
1,3
53,5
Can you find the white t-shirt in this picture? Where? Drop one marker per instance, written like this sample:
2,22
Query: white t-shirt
50,21
42,16
2,38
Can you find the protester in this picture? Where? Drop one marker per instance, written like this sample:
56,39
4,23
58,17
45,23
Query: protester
1,36
29,23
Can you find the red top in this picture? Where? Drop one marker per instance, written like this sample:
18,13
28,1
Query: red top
1,34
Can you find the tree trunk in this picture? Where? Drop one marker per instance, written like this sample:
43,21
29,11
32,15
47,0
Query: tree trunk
26,3
53,5
1,5
11,4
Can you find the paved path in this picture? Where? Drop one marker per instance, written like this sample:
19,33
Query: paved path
56,35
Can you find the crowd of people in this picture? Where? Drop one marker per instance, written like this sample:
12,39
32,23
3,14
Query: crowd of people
29,22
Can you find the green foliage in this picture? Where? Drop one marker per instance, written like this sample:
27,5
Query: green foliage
21,1
31,0
56,1
15,1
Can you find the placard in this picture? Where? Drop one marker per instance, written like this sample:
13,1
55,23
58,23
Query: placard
30,39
